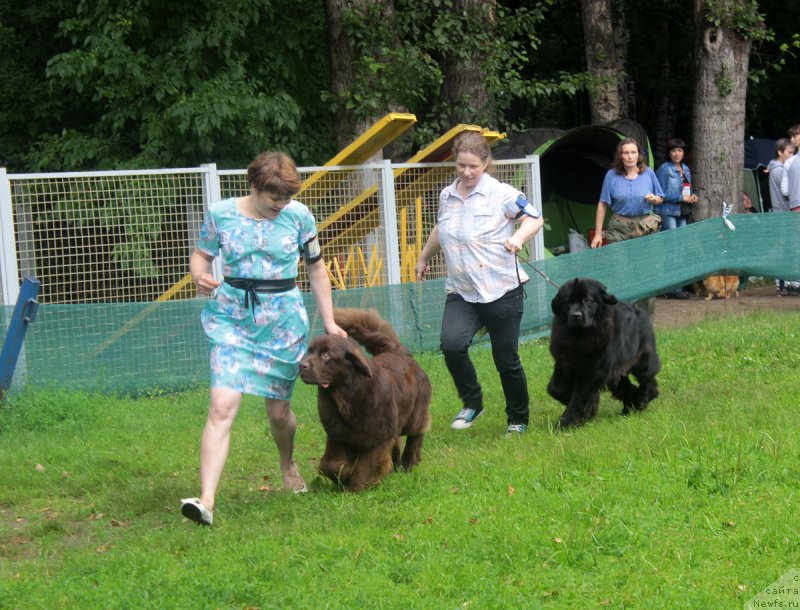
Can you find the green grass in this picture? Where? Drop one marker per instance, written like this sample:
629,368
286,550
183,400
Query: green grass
691,504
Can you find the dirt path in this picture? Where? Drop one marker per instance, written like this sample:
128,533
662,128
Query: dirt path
674,313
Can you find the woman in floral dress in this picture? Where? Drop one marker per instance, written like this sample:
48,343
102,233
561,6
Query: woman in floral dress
256,324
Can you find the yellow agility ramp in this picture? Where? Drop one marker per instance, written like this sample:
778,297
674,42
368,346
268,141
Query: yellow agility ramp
438,151
441,150
375,139
360,150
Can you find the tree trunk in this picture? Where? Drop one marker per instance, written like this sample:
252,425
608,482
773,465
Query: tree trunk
605,60
665,121
464,94
721,64
343,59
342,55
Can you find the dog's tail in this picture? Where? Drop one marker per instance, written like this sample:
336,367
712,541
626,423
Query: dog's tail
369,329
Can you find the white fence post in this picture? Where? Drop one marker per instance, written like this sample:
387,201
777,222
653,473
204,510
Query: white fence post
535,194
388,205
211,193
9,273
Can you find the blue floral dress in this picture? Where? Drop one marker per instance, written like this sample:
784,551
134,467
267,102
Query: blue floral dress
256,349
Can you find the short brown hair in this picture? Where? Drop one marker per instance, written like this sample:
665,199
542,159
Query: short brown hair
274,172
781,145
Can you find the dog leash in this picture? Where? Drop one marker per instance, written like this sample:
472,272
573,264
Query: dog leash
532,266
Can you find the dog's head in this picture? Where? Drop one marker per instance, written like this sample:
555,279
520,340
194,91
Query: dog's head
579,302
331,359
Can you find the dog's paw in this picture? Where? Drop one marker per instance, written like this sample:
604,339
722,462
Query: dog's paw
566,423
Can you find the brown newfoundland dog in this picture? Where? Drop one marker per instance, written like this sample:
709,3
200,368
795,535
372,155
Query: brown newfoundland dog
367,404
596,342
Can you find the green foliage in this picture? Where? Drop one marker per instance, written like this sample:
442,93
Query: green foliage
27,106
112,84
740,16
224,85
774,72
785,53
723,81
687,505
403,55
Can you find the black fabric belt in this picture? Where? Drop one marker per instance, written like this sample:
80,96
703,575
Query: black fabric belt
252,287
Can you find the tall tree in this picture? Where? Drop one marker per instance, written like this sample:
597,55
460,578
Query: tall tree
605,40
345,54
465,96
374,69
448,61
724,32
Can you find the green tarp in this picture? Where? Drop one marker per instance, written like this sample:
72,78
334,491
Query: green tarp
152,347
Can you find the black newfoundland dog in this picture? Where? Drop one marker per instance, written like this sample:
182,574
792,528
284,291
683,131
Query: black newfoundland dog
596,342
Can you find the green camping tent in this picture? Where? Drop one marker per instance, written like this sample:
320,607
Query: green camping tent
572,166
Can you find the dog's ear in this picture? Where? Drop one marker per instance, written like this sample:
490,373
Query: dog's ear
609,299
561,300
355,356
558,302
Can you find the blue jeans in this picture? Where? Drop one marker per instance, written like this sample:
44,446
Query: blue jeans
460,323
672,222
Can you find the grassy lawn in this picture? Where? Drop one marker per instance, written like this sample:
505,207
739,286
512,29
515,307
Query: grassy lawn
691,504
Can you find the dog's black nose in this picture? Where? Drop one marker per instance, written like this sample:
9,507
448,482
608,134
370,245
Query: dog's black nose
575,315
303,365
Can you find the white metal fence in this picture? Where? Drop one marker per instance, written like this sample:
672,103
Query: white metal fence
126,236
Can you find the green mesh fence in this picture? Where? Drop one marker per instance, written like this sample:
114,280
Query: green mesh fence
146,347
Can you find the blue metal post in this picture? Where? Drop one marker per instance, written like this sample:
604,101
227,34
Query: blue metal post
24,313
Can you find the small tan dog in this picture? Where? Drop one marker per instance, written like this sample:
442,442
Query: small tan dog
721,286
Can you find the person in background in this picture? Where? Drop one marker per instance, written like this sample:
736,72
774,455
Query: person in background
256,323
675,179
747,204
481,225
784,149
630,189
790,181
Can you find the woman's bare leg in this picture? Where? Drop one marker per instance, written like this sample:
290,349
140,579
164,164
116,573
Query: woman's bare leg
216,441
282,425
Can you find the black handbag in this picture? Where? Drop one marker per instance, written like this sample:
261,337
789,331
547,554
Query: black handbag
686,208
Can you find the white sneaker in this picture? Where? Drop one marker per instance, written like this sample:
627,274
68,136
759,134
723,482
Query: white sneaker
192,509
465,418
